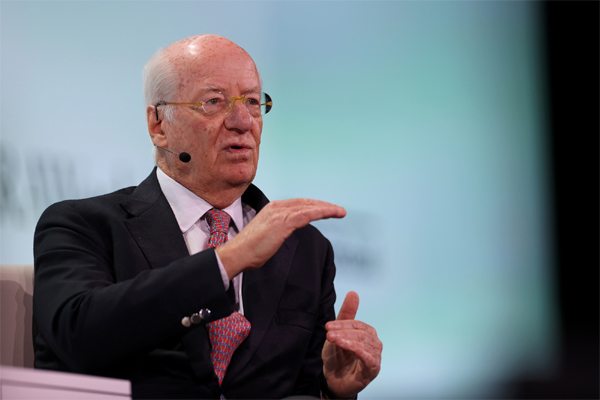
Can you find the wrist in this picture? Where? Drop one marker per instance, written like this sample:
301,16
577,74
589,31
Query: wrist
327,393
228,260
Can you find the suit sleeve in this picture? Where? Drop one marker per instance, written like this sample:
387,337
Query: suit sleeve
93,315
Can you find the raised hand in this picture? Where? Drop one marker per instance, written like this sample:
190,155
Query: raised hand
267,231
352,352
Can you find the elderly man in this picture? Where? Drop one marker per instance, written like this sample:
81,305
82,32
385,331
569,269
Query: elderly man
193,284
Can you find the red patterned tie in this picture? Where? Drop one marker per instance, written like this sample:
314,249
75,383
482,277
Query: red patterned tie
225,334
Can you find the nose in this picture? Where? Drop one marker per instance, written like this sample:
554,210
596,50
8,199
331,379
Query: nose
238,118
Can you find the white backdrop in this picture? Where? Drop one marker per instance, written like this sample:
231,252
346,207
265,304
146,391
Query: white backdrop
424,119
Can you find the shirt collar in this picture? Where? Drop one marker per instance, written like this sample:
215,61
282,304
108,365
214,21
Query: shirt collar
189,207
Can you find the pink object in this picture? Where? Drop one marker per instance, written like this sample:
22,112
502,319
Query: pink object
25,383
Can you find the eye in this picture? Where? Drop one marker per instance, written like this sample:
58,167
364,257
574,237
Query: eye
214,101
253,102
213,98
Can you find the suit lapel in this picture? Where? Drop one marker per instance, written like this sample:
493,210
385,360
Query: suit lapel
262,289
153,225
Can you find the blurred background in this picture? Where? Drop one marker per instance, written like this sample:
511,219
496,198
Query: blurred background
460,136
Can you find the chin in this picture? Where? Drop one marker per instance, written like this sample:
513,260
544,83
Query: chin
239,178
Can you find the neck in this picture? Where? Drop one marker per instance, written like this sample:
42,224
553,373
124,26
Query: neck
223,198
219,194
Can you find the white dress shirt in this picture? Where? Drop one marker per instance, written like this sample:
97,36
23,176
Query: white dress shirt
189,210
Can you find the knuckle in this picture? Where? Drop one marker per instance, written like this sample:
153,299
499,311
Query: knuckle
363,337
286,218
358,325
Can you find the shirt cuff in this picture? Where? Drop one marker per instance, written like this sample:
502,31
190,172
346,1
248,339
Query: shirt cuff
224,275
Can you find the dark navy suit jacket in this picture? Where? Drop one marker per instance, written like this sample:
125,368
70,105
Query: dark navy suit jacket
113,279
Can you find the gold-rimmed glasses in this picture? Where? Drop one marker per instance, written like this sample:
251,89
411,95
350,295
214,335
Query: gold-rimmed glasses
218,103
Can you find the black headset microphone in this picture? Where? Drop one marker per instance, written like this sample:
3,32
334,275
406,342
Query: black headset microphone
183,157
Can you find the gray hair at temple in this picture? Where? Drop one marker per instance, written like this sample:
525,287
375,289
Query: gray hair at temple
160,81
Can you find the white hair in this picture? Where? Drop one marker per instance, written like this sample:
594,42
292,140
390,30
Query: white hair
160,81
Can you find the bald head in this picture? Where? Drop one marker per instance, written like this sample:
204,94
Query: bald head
171,69
201,48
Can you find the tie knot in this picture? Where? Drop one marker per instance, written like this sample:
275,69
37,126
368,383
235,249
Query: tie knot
218,220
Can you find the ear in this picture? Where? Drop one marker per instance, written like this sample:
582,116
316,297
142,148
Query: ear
155,130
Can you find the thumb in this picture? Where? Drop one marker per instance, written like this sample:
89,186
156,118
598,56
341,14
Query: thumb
349,307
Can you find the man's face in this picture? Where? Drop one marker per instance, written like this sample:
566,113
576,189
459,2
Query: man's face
224,148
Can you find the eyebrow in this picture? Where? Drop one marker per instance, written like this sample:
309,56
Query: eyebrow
211,88
254,89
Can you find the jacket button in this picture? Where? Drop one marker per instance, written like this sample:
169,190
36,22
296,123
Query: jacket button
195,318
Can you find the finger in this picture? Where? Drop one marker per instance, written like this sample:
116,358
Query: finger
296,213
309,205
350,324
306,215
349,307
362,337
311,210
370,357
302,202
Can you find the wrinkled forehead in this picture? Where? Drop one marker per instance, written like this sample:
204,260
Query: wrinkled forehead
213,61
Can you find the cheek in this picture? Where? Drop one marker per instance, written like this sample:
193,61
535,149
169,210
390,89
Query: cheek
258,132
202,138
